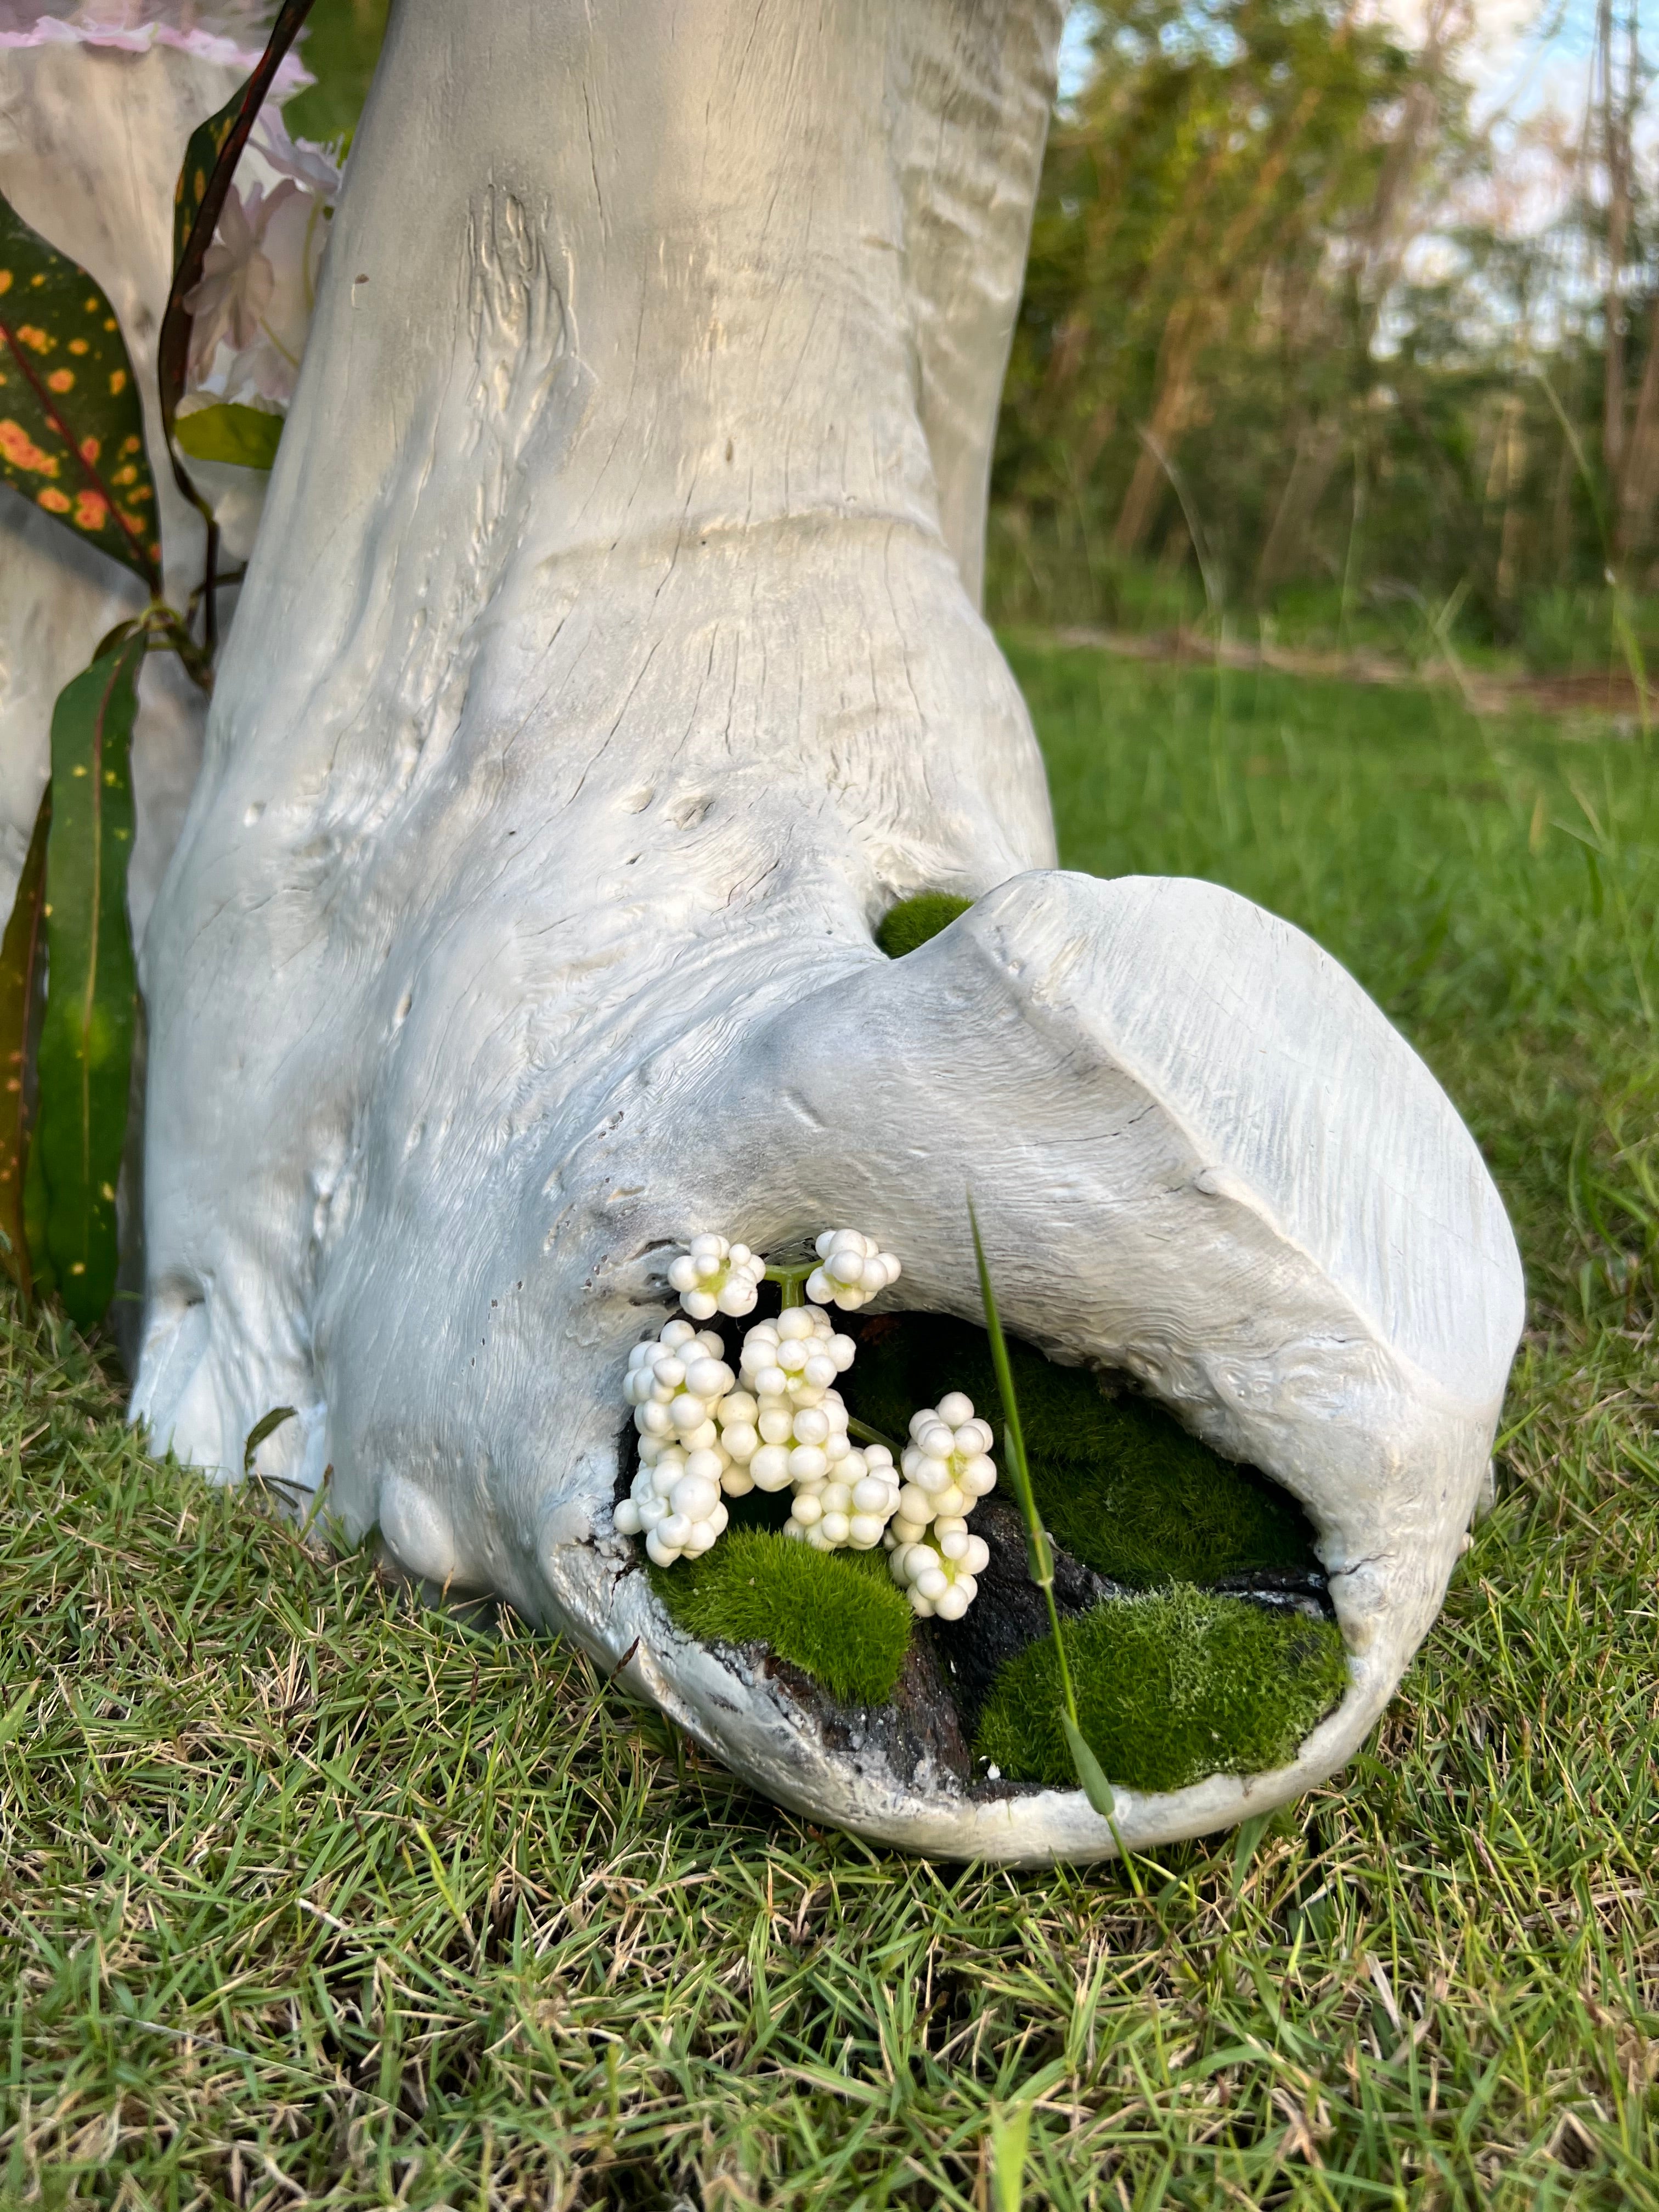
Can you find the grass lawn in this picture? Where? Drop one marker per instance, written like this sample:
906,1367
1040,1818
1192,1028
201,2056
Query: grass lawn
309,1897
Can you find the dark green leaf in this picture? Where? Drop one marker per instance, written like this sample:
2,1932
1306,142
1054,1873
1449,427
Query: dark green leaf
246,436
35,1209
18,954
267,1425
71,426
85,1057
1091,1778
205,182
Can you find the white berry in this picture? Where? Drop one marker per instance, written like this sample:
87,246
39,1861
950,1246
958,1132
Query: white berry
852,1270
713,1276
947,1469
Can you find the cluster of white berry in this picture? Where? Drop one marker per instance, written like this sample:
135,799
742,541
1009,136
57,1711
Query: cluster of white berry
758,1422
675,1385
851,1503
787,1426
794,1359
947,1468
851,1270
780,1424
715,1277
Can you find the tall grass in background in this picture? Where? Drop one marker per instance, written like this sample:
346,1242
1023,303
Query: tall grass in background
1402,341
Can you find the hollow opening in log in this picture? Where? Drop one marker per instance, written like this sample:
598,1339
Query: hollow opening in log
1196,1615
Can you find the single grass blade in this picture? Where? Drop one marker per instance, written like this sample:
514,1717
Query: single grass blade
85,1057
1250,1834
19,958
1014,1438
1039,1549
1010,2132
1091,1776
11,1722
1039,1545
71,424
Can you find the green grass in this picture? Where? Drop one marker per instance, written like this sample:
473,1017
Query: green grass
297,1879
1170,1687
1063,571
839,1616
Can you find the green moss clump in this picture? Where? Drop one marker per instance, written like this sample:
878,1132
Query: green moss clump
1170,1687
1119,1482
914,921
1158,1506
838,1616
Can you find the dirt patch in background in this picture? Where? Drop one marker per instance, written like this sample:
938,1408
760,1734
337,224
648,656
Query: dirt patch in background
1606,700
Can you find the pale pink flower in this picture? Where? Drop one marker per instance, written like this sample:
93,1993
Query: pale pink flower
252,307
309,164
237,281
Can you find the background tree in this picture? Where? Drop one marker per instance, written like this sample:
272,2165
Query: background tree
1295,317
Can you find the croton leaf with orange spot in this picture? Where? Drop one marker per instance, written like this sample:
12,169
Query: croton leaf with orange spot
84,1061
71,426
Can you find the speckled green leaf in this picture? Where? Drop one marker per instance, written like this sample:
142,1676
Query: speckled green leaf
1011,2130
206,144
85,1054
18,952
71,427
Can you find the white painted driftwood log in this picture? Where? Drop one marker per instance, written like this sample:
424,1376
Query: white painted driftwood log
610,662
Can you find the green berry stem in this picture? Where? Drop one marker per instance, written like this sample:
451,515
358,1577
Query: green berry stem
867,1435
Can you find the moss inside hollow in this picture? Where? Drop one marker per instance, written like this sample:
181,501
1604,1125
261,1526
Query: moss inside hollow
836,1615
1171,1685
914,921
1159,1506
1175,1683
1119,1482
